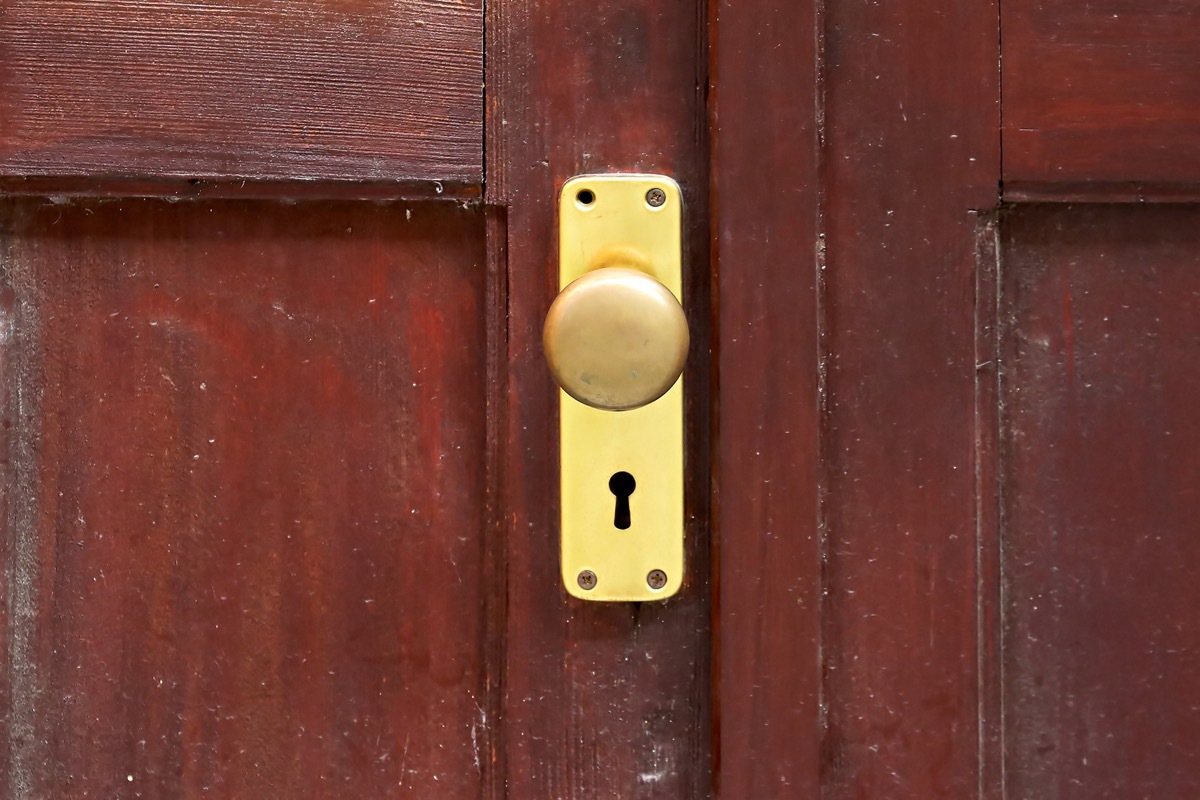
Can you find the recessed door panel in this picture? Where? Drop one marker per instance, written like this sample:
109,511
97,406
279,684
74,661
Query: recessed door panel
245,498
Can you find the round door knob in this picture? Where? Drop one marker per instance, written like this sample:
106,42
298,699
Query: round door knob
616,339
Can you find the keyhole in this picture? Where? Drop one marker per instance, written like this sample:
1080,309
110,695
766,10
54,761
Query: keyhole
622,485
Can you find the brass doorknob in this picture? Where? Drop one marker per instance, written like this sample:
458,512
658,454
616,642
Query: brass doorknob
616,339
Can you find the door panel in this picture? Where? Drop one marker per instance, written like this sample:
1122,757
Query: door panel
1100,500
353,89
1101,95
246,498
924,680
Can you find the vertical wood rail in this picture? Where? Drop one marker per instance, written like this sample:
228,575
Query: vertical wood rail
911,153
600,700
765,99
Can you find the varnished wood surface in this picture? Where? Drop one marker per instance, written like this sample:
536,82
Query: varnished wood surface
244,500
1100,471
1103,94
237,188
600,700
358,89
846,647
910,147
766,265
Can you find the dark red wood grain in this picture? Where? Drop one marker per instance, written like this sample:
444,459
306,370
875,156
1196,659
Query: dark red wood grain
245,499
236,188
600,700
988,507
766,247
1101,95
1100,475
911,147
303,90
279,457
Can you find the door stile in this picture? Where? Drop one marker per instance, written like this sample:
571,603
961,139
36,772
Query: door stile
767,259
911,154
599,699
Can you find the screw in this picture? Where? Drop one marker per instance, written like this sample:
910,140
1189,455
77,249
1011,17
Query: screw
587,580
657,579
656,197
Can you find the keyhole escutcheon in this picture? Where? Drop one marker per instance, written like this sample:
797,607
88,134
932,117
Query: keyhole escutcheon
622,485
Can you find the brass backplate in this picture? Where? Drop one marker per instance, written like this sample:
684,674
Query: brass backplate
631,221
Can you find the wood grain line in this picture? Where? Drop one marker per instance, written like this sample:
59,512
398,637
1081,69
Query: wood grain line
352,90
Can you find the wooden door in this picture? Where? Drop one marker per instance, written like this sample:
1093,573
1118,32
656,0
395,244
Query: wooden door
279,448
280,451
245,411
957,356
1098,338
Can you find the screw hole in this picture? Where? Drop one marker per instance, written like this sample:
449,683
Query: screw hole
585,197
